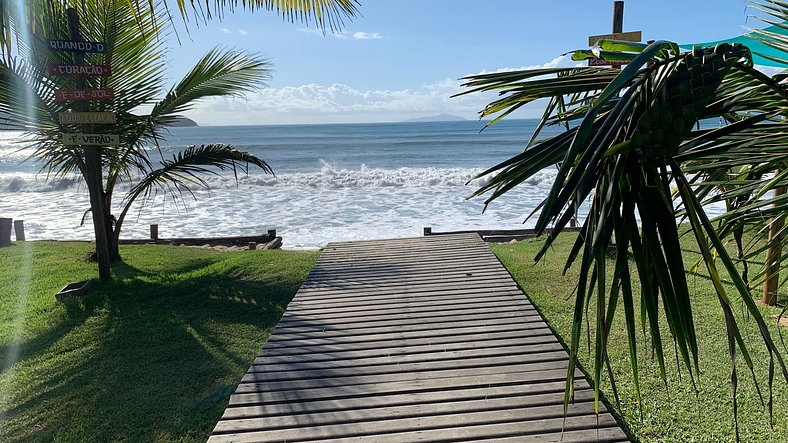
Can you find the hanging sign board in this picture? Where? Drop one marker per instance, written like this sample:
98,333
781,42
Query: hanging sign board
634,36
63,95
91,139
77,46
597,62
87,118
82,70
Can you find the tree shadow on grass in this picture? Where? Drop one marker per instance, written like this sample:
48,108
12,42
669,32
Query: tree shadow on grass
152,359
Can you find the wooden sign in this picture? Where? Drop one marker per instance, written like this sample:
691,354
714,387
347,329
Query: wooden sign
77,46
598,62
91,139
77,95
634,36
80,70
87,118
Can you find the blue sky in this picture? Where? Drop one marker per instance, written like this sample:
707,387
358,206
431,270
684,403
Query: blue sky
402,59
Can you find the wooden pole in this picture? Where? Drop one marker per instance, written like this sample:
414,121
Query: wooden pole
5,231
773,256
618,16
19,230
92,165
271,234
427,230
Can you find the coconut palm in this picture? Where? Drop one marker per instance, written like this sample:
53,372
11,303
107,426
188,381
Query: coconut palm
631,137
323,13
136,56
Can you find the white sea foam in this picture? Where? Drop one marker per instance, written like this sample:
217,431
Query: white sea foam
308,209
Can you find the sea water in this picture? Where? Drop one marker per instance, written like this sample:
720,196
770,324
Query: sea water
331,183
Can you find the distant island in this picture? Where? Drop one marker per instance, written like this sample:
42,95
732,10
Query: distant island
436,118
183,122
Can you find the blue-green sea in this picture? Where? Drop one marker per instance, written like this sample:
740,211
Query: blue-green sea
331,182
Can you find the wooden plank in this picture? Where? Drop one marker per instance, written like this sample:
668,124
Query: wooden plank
426,361
398,399
254,422
321,295
438,288
464,427
448,276
404,417
361,384
448,331
349,376
443,384
331,299
540,335
429,264
398,286
412,303
498,354
403,308
413,322
471,238
420,339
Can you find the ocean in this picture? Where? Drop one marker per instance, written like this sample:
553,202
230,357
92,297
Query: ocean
332,183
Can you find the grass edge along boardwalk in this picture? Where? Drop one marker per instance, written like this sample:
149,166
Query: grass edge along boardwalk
418,339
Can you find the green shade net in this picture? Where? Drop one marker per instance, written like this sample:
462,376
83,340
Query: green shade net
762,54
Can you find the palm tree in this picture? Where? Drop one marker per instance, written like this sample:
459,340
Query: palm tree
136,56
324,13
631,137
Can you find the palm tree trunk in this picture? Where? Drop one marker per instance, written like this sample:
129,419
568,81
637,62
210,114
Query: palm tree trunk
113,231
114,251
773,255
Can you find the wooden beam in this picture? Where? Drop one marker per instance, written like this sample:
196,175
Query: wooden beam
618,16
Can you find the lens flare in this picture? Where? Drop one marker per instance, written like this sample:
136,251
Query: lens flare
23,291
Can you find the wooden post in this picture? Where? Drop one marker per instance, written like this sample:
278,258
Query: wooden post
92,165
252,246
19,230
427,230
618,16
5,231
773,256
271,234
154,232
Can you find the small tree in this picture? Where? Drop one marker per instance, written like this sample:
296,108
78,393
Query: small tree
136,55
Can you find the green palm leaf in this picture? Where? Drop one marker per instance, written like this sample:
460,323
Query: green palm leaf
636,137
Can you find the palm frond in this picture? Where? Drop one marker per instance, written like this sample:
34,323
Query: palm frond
635,139
218,74
187,169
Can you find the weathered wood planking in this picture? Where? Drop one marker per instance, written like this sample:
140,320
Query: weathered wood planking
419,339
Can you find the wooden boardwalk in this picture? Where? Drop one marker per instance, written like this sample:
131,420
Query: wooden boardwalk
406,340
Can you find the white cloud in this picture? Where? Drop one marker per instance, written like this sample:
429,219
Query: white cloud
562,61
320,33
339,103
366,36
242,32
225,30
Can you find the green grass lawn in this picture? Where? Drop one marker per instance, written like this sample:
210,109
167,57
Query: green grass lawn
152,356
671,413
155,354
